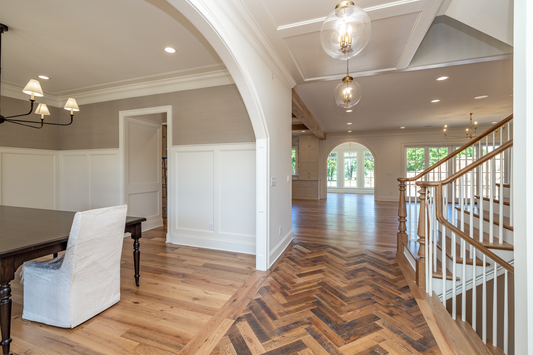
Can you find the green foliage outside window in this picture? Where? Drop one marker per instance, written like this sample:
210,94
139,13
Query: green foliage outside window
293,161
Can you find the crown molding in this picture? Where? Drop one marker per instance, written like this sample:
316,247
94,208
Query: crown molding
249,28
15,92
126,91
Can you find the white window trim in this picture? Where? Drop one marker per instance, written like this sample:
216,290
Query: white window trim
360,172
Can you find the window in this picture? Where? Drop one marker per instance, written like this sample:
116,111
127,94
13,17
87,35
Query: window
332,169
350,169
418,159
436,154
350,166
294,160
369,169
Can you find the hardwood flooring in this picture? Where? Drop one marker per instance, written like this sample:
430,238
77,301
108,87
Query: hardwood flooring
336,290
181,289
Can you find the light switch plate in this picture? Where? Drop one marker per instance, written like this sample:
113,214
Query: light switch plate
273,182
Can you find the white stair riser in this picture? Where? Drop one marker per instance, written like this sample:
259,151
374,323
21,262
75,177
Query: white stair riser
507,234
496,206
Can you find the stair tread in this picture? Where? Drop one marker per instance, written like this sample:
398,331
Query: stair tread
438,274
486,217
506,200
495,245
494,349
458,257
504,185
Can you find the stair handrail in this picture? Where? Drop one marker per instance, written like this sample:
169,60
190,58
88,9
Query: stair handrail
439,202
459,150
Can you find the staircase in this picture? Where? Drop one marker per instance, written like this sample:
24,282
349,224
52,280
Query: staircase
457,236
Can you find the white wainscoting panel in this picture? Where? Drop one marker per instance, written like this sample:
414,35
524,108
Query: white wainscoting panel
215,189
88,179
28,177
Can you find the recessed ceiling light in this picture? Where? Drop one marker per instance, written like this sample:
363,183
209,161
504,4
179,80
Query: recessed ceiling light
303,131
435,101
349,110
170,50
349,131
44,77
442,78
481,97
402,127
494,122
349,123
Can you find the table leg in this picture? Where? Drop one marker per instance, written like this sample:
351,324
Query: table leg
136,234
5,316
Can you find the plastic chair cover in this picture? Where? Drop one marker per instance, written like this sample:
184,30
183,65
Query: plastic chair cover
85,279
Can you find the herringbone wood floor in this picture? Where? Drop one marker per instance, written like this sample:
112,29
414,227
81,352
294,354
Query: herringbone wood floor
338,290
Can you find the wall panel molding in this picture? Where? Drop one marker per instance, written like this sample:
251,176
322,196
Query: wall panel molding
214,196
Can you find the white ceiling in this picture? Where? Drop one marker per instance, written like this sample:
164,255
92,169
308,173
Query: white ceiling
82,44
395,99
90,45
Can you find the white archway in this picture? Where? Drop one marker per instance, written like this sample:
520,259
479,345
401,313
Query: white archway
268,101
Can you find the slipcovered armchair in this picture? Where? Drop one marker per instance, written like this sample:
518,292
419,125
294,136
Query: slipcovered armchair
85,279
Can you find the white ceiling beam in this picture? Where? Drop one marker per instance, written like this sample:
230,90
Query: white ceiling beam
421,27
396,8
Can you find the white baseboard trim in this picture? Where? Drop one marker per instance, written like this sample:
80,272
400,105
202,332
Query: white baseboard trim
212,243
280,248
386,199
351,191
409,258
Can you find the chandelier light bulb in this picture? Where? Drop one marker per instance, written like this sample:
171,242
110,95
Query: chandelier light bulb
346,31
348,93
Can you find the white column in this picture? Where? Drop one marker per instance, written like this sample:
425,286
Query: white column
522,173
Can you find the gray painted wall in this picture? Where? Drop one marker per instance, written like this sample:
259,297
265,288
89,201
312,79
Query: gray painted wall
12,135
201,116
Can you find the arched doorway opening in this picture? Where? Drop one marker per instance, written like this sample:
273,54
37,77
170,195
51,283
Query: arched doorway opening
350,168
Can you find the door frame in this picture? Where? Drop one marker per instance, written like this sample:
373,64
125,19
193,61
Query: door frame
122,155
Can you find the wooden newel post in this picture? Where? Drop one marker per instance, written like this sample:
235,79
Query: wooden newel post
402,237
421,262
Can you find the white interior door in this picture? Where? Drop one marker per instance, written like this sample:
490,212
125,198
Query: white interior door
143,171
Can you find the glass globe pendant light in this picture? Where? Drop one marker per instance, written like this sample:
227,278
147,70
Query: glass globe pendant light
348,93
346,31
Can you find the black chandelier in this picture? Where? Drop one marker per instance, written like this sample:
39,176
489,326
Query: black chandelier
33,88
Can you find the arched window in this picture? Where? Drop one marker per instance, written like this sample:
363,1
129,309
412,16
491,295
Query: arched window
350,167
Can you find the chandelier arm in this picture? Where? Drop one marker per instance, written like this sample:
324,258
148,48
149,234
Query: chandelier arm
61,124
24,114
43,123
26,125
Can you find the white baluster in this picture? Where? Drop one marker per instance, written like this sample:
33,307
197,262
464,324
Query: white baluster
492,177
463,295
443,241
474,298
435,231
454,256
501,200
426,232
480,207
511,194
409,211
495,307
471,209
506,315
484,302
431,255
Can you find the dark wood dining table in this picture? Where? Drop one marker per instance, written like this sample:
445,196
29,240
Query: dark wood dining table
30,233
